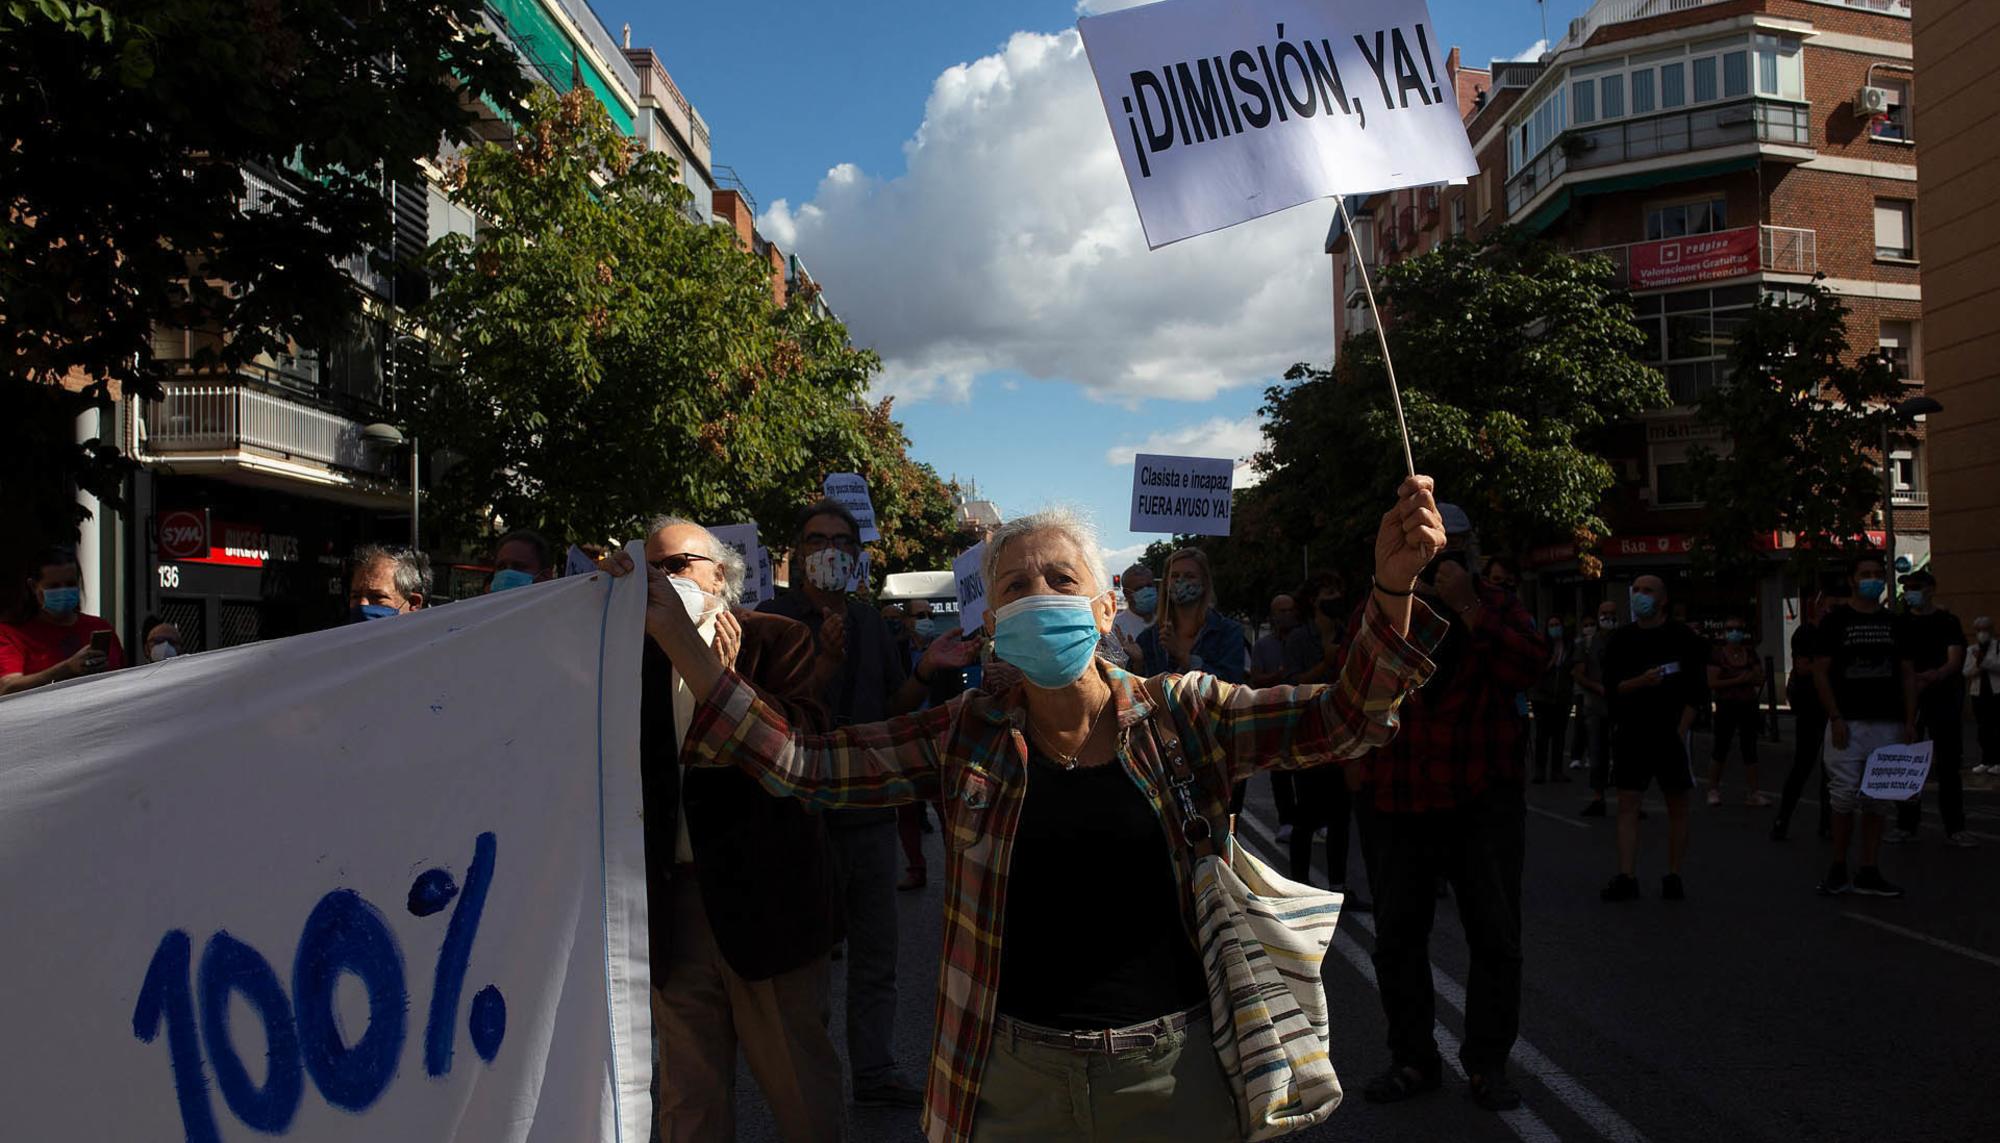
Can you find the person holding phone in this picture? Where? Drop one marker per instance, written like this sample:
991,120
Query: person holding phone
1656,676
53,639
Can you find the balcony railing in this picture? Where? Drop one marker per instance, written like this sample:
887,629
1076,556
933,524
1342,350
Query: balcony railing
1683,131
1606,12
1911,498
229,414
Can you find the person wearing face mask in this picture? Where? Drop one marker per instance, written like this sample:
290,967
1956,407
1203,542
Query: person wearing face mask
1937,648
520,558
163,640
1982,673
1656,676
386,582
862,677
1594,706
1072,1002
1868,687
1736,679
744,900
1191,635
52,639
1142,602
1550,699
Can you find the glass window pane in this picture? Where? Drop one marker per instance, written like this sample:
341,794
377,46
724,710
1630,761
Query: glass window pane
1649,328
1697,218
1655,226
1718,214
1614,96
1735,74
1673,222
1767,72
1688,336
1704,79
1585,101
1673,85
1642,91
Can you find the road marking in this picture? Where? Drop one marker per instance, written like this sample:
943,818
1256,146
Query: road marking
1556,817
1935,942
1579,1099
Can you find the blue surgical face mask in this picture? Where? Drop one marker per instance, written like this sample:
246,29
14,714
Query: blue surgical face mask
1871,589
363,612
1736,636
1644,606
1051,638
1145,600
1916,596
1555,630
926,628
506,579
62,601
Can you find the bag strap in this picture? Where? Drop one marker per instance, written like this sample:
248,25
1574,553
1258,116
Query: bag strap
1183,788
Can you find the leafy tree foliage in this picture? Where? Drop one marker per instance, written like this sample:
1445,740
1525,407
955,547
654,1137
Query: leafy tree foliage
1805,418
129,127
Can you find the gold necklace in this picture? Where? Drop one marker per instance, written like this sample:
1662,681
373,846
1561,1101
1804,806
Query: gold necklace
1068,761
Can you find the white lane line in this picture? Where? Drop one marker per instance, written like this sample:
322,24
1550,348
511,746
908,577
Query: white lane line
1524,1123
1556,817
1574,1095
1935,942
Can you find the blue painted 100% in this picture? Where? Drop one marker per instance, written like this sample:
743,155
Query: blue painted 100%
303,1036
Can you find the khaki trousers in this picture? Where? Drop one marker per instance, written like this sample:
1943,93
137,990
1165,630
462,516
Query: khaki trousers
703,1012
1173,1091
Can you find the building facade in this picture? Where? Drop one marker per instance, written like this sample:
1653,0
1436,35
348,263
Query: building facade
1716,151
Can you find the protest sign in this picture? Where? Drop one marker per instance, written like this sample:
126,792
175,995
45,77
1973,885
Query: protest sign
742,537
1227,112
1896,773
971,581
1181,494
380,882
766,588
851,491
578,562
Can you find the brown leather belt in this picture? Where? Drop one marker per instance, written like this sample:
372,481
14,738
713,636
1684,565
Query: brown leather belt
1107,1040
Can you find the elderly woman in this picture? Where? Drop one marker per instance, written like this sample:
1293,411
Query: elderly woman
1072,1002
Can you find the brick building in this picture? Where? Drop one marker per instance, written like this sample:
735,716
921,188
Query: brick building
1716,151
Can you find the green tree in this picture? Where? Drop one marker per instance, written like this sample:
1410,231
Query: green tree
129,128
1513,357
1804,417
592,356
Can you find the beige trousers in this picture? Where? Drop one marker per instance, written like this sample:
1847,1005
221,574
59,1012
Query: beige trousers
703,1012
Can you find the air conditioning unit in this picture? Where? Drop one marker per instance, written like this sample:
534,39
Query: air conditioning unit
1871,101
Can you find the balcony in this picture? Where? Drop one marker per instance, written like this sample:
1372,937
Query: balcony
259,422
1686,131
1779,250
1608,12
1911,498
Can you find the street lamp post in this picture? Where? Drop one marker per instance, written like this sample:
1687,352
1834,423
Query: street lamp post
1906,412
389,436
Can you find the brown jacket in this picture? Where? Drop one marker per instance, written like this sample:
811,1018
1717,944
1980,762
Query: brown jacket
763,862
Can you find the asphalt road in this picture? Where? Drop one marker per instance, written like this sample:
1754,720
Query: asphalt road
1755,1010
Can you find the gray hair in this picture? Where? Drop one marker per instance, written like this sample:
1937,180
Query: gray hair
727,558
1067,522
413,568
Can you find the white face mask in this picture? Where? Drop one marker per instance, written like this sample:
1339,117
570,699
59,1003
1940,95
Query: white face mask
1984,637
700,604
164,651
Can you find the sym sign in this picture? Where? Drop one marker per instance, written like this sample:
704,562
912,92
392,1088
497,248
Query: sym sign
1696,258
184,535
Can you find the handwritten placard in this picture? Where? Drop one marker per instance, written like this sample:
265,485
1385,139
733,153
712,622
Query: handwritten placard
1896,773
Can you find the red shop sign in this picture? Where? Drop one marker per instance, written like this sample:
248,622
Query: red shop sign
1697,258
1639,547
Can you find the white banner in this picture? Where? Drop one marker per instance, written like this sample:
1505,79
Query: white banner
852,492
1225,112
382,882
1896,773
1181,495
971,581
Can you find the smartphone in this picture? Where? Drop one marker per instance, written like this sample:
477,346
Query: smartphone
100,642
1670,668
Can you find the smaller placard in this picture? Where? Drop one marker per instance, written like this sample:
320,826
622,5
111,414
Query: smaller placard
1896,773
971,582
1181,495
851,491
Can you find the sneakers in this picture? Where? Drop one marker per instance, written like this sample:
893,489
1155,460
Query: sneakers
1671,888
1284,835
1961,839
1623,887
1757,800
1835,882
1985,769
1869,882
1714,796
1898,837
1577,764
1594,810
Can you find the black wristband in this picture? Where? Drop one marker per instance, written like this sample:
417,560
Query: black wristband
1390,590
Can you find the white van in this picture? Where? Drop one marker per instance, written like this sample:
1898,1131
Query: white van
936,586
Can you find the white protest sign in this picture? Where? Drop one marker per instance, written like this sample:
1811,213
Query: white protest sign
851,491
1225,112
1896,773
742,537
1183,495
380,882
860,580
766,589
578,562
971,581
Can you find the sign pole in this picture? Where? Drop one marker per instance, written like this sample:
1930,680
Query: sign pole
1382,335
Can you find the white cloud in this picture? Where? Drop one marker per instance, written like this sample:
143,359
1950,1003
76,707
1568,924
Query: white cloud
1219,436
1116,560
1100,7
1010,243
1529,54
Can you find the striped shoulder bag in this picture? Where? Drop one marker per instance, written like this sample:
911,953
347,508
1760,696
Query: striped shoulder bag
1262,940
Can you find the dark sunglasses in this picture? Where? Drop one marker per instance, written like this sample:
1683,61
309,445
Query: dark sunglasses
678,562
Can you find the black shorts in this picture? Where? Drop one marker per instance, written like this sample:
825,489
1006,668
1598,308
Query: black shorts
1641,758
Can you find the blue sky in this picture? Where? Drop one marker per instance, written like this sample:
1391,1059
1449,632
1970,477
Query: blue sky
941,166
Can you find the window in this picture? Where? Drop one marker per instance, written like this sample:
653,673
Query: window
1705,216
1642,91
1613,89
1735,74
1704,79
1485,184
1673,85
1583,99
1894,237
1673,475
1906,474
1898,342
1895,123
1780,67
1458,215
1690,334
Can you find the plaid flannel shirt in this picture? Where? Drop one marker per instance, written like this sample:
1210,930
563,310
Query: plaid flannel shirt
973,751
1463,735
